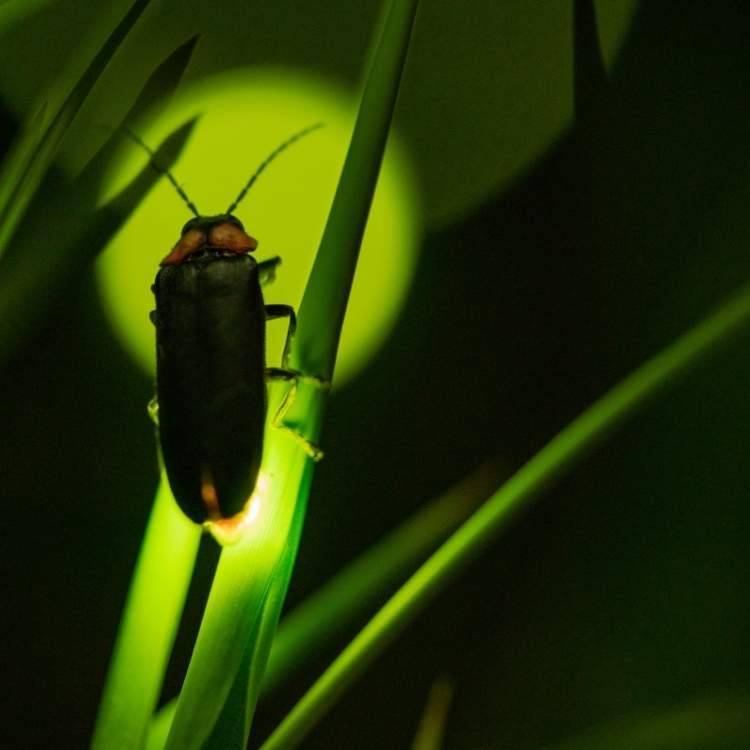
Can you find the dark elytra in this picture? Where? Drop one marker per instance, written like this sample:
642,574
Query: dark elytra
210,355
210,348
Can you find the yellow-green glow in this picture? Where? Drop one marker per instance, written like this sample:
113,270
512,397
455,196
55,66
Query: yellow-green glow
231,530
244,115
148,627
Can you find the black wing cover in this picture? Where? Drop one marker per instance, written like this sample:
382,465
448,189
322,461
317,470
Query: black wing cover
210,354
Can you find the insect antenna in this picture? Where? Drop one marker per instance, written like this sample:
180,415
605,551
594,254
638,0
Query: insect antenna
160,168
288,142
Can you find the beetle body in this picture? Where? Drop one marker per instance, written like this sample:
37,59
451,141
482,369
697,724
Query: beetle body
210,358
210,353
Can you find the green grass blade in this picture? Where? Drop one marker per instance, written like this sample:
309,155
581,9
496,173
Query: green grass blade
233,726
240,591
78,239
243,600
556,458
13,11
148,626
322,618
81,230
431,732
34,153
324,302
717,723
351,593
152,99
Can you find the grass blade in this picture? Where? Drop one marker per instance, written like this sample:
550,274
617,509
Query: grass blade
556,458
148,626
239,593
325,298
322,618
67,210
151,100
29,161
13,11
431,732
78,239
717,723
251,577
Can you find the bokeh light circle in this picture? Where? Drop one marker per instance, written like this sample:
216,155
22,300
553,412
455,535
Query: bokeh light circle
243,115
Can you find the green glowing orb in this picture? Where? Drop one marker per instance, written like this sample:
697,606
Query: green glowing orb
244,115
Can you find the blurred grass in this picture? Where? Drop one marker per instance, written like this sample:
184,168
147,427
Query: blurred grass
319,620
647,310
486,93
64,230
555,459
431,732
12,11
720,722
148,626
33,153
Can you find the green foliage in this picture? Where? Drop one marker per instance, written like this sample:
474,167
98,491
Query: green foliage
252,577
238,654
36,149
67,211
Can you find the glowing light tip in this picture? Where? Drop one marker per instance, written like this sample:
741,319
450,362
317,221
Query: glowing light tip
231,530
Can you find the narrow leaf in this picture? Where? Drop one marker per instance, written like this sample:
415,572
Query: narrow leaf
152,99
13,11
715,723
431,732
77,240
326,295
27,164
558,457
321,619
149,623
242,600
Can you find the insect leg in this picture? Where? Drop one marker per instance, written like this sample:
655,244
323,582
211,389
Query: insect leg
293,377
267,270
290,376
284,311
153,411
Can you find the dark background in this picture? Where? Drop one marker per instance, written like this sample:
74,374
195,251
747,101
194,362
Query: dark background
625,588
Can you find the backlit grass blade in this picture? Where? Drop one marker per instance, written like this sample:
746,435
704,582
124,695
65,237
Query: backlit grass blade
431,732
324,302
35,151
233,726
244,600
563,452
239,593
66,210
351,593
78,238
152,99
716,723
148,626
322,618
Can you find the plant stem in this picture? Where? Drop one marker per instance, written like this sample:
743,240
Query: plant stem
251,579
326,295
148,626
325,615
556,458
718,721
